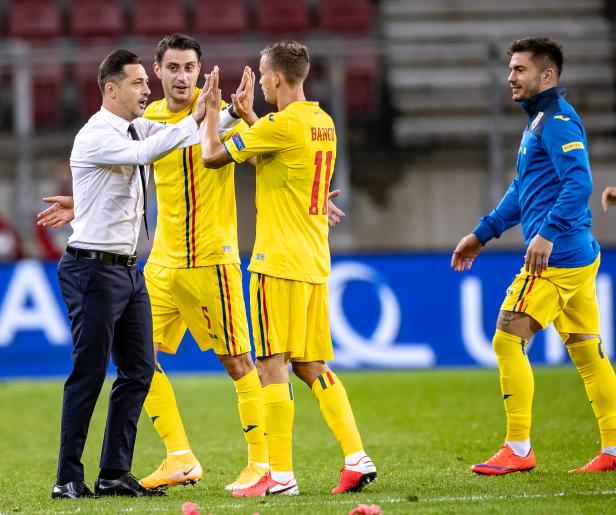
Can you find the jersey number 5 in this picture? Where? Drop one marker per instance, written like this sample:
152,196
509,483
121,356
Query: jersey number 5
314,198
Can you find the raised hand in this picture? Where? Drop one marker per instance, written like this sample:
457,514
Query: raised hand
210,97
244,96
465,253
58,214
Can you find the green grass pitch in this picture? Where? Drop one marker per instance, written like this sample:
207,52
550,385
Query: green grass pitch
422,428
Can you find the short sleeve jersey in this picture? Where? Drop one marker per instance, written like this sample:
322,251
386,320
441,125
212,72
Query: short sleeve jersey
196,224
296,152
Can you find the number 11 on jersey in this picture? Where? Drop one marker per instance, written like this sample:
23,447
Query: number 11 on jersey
314,199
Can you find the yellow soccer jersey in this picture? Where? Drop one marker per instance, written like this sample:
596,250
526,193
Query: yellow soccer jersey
296,151
196,223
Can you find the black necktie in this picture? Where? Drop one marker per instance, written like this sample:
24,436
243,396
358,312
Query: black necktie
133,134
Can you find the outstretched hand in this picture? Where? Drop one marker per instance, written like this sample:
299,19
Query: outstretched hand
210,96
58,214
465,253
334,213
244,96
213,95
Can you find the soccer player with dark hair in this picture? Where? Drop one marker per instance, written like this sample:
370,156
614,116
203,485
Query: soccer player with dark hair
549,198
296,151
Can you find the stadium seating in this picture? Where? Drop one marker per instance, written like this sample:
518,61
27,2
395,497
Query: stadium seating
96,19
34,19
345,16
282,17
438,67
158,17
220,18
361,84
89,92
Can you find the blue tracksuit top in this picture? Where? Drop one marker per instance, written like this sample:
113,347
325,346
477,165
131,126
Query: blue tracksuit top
549,195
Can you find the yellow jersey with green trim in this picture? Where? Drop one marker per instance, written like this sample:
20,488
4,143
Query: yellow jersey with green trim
296,152
196,223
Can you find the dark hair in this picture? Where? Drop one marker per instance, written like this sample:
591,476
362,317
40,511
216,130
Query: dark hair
545,51
176,42
290,58
112,67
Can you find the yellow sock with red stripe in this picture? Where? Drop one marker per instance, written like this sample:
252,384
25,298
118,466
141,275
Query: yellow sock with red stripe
337,412
279,414
517,383
600,383
161,407
252,415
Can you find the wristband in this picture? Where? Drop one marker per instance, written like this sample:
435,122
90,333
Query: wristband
232,112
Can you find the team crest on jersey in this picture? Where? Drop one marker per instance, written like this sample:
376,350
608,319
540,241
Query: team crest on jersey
238,141
536,120
271,117
260,257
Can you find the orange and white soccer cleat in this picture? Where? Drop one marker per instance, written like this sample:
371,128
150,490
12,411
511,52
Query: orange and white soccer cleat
355,476
267,486
506,461
248,477
174,470
600,463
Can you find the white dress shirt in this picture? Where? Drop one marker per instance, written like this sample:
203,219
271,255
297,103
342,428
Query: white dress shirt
106,182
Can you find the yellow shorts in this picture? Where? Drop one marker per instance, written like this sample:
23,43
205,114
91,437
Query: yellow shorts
207,300
290,316
565,296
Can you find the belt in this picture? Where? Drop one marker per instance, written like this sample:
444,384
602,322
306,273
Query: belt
100,255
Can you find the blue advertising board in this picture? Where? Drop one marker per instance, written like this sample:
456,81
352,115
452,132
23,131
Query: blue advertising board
386,311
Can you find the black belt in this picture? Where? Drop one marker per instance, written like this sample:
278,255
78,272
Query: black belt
100,255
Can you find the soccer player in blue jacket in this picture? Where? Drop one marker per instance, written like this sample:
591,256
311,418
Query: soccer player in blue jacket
549,198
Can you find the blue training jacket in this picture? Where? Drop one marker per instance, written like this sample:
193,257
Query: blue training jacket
549,195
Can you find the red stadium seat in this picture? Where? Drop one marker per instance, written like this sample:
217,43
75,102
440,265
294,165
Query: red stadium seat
96,19
231,71
345,16
158,17
220,18
90,95
361,84
46,82
283,16
35,19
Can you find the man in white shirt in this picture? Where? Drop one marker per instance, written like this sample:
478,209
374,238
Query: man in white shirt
104,290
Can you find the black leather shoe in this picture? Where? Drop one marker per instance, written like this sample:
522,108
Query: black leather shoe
71,490
125,485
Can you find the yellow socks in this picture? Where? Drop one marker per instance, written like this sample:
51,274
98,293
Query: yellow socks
337,412
600,383
517,384
279,413
252,415
161,407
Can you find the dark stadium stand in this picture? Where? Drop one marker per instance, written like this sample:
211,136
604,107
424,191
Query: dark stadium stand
220,18
283,17
156,17
72,26
34,19
345,16
96,19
